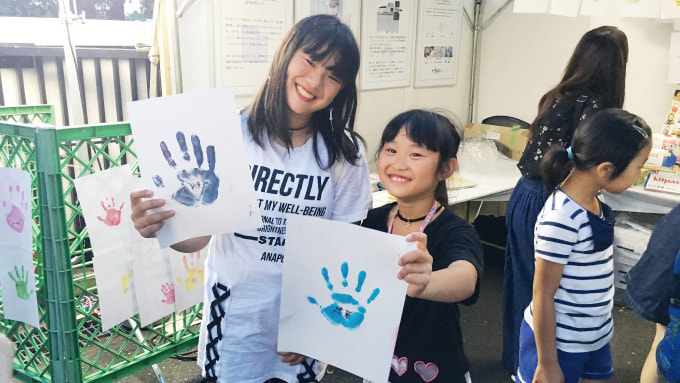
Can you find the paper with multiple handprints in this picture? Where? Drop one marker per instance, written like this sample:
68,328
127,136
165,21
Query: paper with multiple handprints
155,291
187,276
340,283
134,275
191,153
17,271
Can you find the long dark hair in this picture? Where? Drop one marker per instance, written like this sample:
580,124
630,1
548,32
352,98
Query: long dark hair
431,129
612,135
598,66
322,37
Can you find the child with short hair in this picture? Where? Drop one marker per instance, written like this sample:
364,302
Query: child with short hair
417,154
568,325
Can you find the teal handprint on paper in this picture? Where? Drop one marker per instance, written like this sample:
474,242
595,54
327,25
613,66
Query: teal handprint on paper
21,282
345,309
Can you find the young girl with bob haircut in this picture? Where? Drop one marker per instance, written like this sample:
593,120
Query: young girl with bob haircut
302,150
417,153
594,79
568,325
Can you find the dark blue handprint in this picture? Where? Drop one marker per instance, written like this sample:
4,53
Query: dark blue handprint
199,186
345,309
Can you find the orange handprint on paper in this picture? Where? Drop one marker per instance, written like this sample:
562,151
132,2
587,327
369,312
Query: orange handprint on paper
194,268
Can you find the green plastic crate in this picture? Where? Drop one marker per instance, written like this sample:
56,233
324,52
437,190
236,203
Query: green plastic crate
70,346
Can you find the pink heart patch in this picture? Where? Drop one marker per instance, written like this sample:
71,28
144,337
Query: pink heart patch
427,371
399,365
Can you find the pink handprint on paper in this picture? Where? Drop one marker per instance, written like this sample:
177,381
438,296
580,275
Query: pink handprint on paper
169,291
112,214
17,212
194,268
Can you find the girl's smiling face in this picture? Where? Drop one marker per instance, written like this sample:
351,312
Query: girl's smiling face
408,170
310,86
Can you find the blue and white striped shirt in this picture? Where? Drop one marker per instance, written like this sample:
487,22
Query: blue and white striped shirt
584,299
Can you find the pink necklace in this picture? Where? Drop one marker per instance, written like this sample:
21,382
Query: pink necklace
426,219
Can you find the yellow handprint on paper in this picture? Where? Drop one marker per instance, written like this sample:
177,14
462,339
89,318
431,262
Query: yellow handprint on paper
194,268
125,281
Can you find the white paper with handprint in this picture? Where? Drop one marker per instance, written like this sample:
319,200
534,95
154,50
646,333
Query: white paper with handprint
191,153
187,275
15,208
115,286
17,281
670,9
154,288
341,301
105,202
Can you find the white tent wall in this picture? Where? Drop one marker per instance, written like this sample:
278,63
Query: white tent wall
524,55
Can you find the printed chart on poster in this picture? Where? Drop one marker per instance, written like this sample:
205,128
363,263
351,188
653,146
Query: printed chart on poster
387,43
247,35
350,297
437,52
349,11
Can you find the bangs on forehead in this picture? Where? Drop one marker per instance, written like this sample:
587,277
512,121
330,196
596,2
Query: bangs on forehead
326,46
420,134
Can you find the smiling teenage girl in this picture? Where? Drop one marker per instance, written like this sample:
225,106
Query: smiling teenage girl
300,125
417,153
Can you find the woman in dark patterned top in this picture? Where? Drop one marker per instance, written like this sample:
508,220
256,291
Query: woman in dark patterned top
594,79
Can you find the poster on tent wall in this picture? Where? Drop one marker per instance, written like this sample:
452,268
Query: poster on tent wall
670,9
598,7
349,11
386,43
639,8
531,6
248,33
438,48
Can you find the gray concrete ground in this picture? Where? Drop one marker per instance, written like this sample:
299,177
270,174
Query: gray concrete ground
482,329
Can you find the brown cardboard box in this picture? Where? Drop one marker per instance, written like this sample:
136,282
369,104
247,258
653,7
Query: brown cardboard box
512,140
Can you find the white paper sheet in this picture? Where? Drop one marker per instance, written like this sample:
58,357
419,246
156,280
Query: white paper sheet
598,7
565,7
115,286
531,6
191,153
639,8
670,9
187,274
154,288
105,202
17,280
328,263
17,277
15,208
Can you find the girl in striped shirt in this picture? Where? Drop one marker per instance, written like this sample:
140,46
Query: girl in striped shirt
568,325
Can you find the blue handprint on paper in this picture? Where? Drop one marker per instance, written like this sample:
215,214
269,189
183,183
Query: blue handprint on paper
345,309
198,186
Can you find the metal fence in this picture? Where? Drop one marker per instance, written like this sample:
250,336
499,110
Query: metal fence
70,345
108,78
